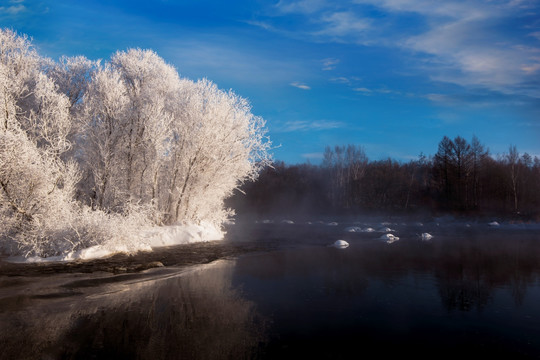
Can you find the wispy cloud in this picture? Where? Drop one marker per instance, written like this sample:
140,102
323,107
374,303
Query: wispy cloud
340,25
476,99
316,20
450,8
460,42
313,156
383,91
535,34
302,6
468,45
441,98
300,85
480,59
304,125
12,10
363,90
239,62
329,64
341,80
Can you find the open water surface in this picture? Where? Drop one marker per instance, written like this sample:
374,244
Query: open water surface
279,290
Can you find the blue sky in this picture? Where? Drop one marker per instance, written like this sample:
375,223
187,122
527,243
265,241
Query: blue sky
394,76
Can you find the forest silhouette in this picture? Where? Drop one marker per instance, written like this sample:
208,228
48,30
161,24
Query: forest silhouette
461,179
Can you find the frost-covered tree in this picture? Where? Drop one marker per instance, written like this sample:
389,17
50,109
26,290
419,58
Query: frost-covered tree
216,145
128,110
105,108
36,186
177,146
150,148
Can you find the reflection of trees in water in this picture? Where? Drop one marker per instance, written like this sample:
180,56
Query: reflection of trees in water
468,267
469,270
461,290
322,272
194,316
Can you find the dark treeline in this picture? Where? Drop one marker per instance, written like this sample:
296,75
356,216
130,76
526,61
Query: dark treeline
462,178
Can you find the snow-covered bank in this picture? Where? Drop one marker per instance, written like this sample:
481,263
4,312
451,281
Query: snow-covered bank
155,237
182,234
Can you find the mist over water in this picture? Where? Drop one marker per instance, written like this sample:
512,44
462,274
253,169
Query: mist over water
278,289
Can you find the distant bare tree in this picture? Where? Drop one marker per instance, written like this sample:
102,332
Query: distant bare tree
513,162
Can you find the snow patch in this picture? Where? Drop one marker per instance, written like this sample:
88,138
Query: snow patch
333,223
182,234
353,229
287,222
152,238
494,224
426,236
385,229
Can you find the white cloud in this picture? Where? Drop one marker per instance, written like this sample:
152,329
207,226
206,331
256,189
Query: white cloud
300,85
363,90
241,62
385,91
302,6
329,64
448,8
476,60
464,42
12,10
438,98
531,68
468,45
535,34
313,156
341,80
342,24
317,125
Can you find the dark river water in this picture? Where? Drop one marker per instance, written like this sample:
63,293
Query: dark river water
278,290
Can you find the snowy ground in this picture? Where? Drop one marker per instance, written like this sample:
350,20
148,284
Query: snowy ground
153,238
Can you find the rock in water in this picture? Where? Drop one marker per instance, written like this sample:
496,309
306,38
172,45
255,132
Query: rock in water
389,238
340,244
426,236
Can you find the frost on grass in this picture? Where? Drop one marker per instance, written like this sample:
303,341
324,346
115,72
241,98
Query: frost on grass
116,156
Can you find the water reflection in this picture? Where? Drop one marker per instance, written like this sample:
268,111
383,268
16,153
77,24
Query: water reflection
466,294
186,315
466,269
460,294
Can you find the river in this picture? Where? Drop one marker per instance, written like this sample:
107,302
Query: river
278,289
